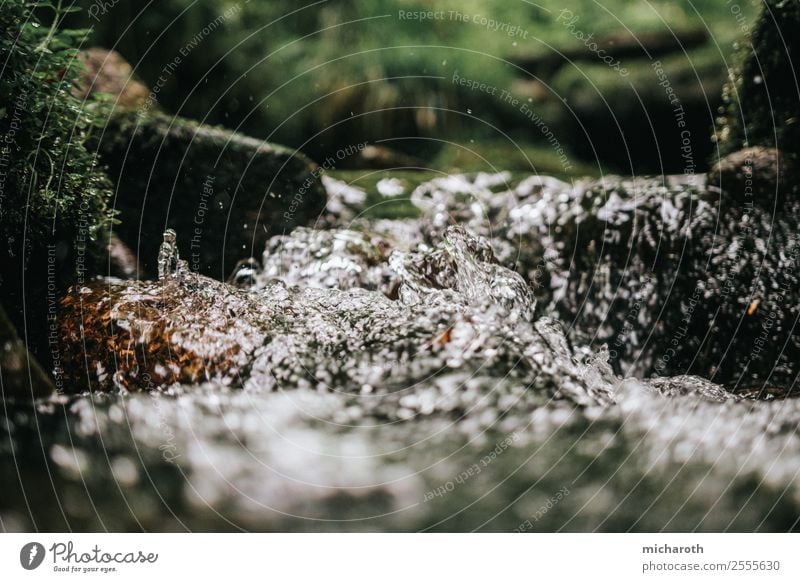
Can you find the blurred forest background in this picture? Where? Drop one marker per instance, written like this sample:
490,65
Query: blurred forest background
328,74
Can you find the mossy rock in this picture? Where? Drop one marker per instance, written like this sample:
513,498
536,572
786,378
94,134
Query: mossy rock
225,194
643,121
762,98
771,174
678,280
618,45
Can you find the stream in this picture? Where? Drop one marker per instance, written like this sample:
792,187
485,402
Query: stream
404,374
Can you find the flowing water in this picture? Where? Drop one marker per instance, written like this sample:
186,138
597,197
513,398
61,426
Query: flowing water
385,375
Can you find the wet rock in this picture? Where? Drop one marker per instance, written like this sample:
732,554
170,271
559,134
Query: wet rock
20,374
462,326
673,277
762,103
225,192
109,73
759,175
146,335
684,385
246,273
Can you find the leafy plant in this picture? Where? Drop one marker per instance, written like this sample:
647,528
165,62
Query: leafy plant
53,196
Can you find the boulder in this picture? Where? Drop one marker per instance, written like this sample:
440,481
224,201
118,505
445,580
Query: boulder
770,173
762,100
225,194
672,276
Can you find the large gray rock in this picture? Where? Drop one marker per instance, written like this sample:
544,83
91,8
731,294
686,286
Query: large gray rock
675,276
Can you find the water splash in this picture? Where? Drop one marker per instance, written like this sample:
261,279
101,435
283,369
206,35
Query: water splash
170,266
380,364
673,276
340,314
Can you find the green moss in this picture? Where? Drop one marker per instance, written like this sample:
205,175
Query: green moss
53,211
762,102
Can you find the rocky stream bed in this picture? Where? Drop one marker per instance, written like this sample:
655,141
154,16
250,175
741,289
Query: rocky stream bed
422,351
455,371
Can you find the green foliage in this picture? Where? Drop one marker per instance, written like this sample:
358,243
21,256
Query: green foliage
303,73
52,189
53,197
